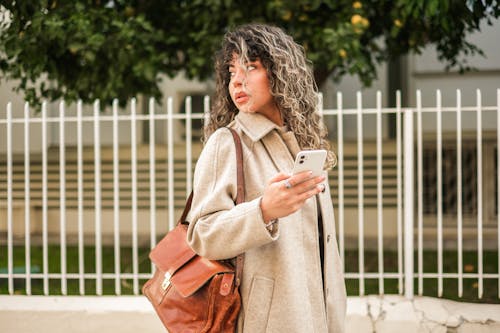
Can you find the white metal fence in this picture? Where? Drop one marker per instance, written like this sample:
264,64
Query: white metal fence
412,186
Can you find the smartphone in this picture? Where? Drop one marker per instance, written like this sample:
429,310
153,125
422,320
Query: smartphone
310,160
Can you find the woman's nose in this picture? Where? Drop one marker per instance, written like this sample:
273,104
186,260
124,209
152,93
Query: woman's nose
238,78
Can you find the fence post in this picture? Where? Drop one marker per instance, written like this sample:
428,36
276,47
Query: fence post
408,176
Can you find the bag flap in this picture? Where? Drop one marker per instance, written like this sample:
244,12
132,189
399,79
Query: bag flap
173,251
196,273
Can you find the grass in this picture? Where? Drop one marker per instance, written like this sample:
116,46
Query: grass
430,285
430,265
54,266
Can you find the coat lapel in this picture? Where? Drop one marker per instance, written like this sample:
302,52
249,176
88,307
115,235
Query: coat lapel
281,146
278,151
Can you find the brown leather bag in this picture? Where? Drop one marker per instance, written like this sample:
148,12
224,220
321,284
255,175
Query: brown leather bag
191,293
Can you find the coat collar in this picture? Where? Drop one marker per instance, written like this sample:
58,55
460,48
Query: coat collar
282,146
255,125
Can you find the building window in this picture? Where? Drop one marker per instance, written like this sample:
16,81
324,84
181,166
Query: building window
450,180
197,106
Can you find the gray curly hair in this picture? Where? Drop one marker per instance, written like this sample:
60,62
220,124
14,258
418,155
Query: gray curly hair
290,78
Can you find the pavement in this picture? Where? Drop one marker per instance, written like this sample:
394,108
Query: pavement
132,314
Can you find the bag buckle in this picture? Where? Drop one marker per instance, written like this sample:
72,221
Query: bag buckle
166,281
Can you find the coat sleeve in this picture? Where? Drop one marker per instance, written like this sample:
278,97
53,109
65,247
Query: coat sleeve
219,229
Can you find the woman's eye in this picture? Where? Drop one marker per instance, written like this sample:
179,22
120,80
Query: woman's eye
251,67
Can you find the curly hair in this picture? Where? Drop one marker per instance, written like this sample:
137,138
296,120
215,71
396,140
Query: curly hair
290,78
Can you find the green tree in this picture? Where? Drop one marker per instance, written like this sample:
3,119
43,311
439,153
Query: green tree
119,48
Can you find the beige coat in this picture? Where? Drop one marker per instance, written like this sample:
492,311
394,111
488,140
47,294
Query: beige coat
282,288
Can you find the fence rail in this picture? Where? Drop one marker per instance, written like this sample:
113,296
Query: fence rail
98,186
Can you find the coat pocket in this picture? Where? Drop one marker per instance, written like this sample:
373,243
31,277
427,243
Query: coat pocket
259,305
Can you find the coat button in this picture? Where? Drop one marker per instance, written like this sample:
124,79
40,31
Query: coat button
328,238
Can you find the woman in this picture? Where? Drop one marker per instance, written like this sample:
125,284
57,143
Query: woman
292,278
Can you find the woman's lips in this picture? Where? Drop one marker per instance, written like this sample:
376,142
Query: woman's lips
240,98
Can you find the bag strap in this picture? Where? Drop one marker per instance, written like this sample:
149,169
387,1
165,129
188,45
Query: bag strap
240,197
240,178
186,210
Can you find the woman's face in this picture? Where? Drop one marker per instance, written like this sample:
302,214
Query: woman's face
250,91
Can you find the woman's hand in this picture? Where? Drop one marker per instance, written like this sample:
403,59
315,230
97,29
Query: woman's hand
286,194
